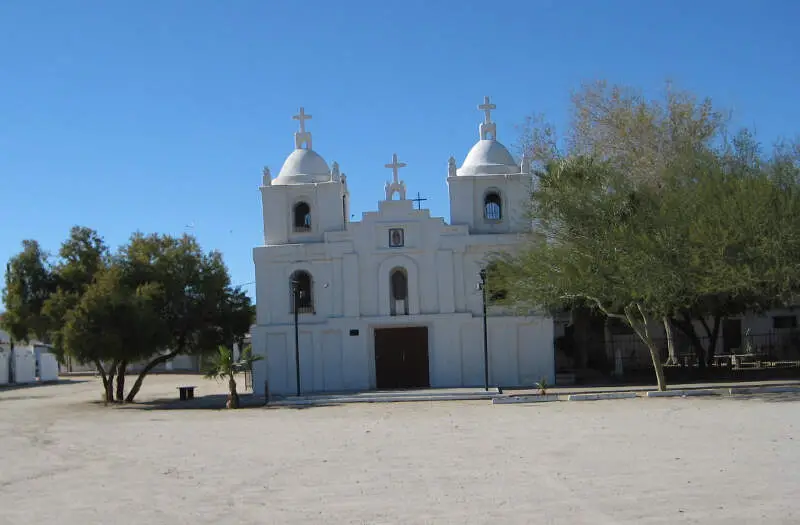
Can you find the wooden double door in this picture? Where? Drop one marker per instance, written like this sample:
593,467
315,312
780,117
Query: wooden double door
401,358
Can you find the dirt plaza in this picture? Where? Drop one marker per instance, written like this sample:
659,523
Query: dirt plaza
65,458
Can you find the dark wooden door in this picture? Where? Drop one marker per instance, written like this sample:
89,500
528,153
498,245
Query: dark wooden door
401,358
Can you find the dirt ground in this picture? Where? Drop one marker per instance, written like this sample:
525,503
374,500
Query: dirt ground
66,459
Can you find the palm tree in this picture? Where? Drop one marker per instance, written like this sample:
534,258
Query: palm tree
223,366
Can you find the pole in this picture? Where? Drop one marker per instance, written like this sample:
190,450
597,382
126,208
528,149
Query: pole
485,337
296,290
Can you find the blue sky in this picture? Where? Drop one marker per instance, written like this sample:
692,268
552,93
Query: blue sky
132,115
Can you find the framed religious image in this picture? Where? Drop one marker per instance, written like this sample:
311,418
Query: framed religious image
396,237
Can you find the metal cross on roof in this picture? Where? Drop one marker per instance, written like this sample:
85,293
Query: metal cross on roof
419,200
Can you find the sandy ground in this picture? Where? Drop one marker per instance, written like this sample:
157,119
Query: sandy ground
66,459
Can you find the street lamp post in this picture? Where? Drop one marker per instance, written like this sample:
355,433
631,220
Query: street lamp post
485,338
296,295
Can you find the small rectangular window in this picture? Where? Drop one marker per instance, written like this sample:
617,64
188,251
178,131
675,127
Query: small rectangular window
784,321
353,332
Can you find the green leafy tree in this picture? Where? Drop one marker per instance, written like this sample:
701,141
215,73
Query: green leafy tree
643,253
661,145
157,297
82,257
599,242
114,323
29,282
200,308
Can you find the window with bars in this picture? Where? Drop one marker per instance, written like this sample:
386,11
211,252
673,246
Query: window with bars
492,206
302,217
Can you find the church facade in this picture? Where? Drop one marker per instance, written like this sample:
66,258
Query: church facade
393,300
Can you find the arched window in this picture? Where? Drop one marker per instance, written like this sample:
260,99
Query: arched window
492,206
302,217
398,281
301,291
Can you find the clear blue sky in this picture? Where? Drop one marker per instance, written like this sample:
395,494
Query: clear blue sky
133,115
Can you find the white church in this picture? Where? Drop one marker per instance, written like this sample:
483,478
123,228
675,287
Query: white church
392,301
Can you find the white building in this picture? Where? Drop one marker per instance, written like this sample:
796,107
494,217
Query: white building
391,301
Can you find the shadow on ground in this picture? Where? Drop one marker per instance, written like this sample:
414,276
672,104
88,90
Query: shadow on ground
786,397
24,386
211,402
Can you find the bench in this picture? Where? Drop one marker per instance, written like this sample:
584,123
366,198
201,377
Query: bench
186,392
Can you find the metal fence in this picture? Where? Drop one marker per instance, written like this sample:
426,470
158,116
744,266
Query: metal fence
767,349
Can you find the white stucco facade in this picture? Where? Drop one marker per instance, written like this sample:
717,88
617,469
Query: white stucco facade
396,268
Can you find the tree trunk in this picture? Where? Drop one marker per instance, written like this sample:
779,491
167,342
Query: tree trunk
146,370
712,340
643,331
102,372
123,365
654,355
110,384
672,359
233,397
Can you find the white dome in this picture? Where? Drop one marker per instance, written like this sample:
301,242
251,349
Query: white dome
303,166
488,157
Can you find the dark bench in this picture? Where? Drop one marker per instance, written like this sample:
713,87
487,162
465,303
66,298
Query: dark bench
186,392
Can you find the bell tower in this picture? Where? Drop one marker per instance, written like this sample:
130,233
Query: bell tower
490,192
307,198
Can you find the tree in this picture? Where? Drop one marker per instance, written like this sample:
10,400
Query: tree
28,284
113,322
602,242
82,257
223,366
200,308
661,145
720,240
155,298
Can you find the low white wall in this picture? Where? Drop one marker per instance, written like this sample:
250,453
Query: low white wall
48,367
24,366
3,366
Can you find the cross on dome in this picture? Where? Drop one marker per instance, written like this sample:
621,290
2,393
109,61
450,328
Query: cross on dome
394,167
486,107
302,138
302,117
487,129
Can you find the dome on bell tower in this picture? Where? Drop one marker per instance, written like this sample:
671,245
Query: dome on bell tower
303,165
488,156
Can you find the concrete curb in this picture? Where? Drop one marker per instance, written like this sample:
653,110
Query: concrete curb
738,390
683,393
533,398
339,400
601,396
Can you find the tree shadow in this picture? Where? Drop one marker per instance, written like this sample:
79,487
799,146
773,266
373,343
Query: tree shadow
211,402
37,384
206,402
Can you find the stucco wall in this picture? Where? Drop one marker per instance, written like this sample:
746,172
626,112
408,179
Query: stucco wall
520,352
